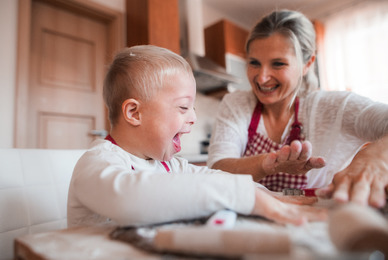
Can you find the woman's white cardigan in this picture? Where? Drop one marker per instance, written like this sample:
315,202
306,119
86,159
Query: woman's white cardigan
336,123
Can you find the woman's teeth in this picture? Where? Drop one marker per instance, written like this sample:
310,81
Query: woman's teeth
268,89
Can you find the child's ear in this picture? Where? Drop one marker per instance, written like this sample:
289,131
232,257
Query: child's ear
130,109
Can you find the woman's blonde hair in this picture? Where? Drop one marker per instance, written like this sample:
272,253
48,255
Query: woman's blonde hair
299,29
139,72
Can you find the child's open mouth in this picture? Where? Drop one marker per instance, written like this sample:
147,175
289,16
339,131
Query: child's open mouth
177,142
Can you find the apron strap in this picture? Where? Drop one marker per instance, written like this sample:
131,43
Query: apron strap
110,138
255,120
296,127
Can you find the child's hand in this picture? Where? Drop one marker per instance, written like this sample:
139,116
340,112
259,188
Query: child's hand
293,159
285,213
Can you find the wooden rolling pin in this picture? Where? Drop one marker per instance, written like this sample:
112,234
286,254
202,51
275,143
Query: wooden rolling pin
222,242
358,229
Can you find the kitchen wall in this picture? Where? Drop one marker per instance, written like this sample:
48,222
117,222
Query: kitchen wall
210,15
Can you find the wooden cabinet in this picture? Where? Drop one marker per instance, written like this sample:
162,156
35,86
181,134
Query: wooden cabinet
224,37
153,22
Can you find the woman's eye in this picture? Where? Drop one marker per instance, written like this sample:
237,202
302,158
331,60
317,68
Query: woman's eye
184,108
254,63
279,64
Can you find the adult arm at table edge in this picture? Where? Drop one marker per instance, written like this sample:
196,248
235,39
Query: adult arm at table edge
293,159
365,180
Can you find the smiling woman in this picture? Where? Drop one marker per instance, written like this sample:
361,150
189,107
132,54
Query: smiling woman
280,56
253,128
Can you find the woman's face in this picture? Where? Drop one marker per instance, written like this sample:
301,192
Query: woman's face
272,69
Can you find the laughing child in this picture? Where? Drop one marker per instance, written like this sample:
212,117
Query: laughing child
133,178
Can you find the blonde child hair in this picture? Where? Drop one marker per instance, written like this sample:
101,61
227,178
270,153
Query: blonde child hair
139,72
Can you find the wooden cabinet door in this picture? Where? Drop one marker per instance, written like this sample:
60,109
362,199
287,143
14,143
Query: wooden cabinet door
67,59
224,37
153,22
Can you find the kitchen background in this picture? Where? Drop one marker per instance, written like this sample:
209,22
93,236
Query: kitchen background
197,15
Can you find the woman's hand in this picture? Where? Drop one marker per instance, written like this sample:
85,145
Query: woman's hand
365,180
285,213
292,159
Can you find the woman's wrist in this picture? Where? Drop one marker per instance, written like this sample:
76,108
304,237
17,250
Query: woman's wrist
261,171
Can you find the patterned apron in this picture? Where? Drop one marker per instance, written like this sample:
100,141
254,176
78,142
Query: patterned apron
258,144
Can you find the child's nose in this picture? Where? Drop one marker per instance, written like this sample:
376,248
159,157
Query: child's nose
192,117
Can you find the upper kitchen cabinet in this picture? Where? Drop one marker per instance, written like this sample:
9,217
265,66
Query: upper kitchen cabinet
224,37
225,45
153,22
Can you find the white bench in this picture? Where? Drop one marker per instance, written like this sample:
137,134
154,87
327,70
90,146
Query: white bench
33,192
